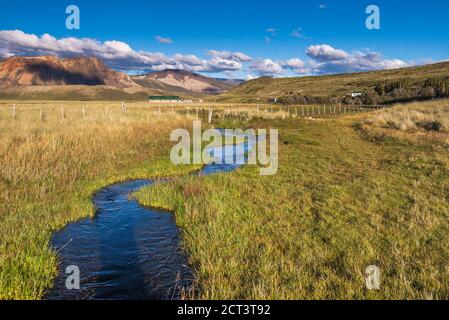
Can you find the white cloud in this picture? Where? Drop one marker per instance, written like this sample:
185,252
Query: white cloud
296,65
116,54
324,59
235,56
272,31
324,52
163,40
327,59
217,64
266,67
298,33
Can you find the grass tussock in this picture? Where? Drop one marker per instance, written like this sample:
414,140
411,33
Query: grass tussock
425,122
50,165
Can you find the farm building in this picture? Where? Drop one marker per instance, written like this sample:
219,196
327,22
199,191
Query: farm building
159,99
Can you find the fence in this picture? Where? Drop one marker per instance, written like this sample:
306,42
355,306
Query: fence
204,112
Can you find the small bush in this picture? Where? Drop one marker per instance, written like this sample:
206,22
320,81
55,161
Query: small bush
430,125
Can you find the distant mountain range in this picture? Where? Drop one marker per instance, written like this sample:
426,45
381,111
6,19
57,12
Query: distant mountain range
89,78
188,81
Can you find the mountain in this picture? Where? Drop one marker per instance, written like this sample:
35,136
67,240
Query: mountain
186,80
49,77
386,86
52,71
161,88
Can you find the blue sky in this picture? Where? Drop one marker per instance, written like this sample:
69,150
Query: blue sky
264,31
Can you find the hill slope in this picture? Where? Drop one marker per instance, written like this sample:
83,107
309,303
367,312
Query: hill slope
186,80
160,88
47,70
378,86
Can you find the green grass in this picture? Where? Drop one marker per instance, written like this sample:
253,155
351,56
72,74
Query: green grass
343,200
346,196
50,169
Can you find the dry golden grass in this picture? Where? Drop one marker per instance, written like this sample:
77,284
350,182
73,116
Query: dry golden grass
49,168
421,121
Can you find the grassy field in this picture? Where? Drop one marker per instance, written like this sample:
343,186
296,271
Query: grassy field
50,167
351,191
349,194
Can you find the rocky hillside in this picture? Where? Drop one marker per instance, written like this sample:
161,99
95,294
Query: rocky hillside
52,71
188,81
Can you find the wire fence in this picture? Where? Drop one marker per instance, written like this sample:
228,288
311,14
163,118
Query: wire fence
207,113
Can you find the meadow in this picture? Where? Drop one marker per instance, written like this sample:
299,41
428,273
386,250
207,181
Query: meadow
346,196
51,163
351,191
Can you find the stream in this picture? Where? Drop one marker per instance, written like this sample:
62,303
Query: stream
128,251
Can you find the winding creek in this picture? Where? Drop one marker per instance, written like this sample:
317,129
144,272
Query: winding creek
128,251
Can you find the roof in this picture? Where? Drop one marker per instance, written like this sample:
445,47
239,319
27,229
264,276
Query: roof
164,98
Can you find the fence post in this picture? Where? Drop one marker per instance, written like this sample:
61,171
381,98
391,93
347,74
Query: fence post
62,113
84,111
42,115
324,111
296,112
210,115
